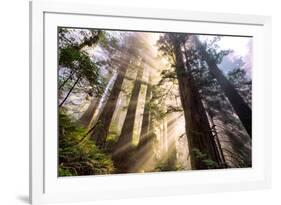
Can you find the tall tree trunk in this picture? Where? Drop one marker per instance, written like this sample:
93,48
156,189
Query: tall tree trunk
217,140
198,131
223,163
172,154
144,155
165,135
241,108
91,114
124,144
88,114
100,133
146,118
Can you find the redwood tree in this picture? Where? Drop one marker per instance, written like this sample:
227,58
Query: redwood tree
241,108
202,148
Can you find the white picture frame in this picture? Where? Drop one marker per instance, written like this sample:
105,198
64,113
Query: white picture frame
46,187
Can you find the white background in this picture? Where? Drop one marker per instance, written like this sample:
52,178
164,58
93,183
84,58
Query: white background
14,100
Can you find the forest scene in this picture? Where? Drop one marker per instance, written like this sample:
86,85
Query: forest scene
138,102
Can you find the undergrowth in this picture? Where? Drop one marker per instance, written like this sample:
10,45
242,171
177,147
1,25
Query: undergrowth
78,155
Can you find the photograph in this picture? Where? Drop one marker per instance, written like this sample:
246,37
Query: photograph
152,101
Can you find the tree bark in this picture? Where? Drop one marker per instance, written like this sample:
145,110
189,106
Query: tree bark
223,163
172,154
104,120
241,108
144,148
198,131
96,106
146,118
88,114
124,144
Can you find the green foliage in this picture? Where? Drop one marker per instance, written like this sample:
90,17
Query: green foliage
91,72
157,107
78,62
106,41
78,155
64,171
112,137
168,75
167,44
210,163
69,57
164,166
214,51
165,47
203,158
198,154
242,83
82,65
157,112
171,109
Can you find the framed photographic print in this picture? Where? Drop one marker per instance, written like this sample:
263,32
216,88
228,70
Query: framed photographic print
129,102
